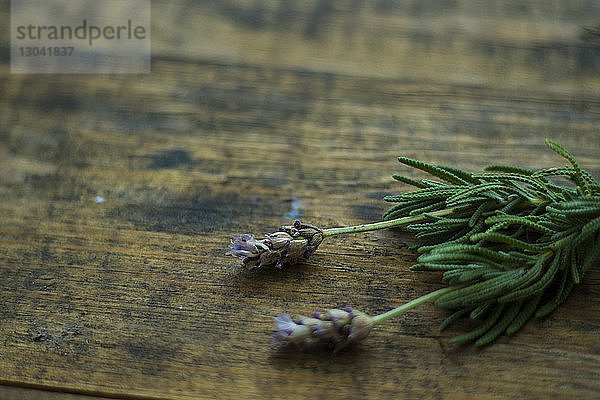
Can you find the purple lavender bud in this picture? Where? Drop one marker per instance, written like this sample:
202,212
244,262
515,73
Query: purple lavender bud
283,322
360,328
289,332
309,251
338,317
244,247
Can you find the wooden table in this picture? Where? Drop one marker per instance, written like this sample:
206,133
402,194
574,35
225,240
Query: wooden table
119,195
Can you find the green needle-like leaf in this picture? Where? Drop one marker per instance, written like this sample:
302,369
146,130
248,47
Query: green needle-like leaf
515,237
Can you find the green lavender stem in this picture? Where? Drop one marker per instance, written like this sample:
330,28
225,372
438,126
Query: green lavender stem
412,304
385,224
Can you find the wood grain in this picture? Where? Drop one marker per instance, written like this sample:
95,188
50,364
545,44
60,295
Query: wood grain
255,112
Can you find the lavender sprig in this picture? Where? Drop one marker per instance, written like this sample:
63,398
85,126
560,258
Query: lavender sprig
337,329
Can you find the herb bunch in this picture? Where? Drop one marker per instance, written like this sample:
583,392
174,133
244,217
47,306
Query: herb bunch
514,244
511,243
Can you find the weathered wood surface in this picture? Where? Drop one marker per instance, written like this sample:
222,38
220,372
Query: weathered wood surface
253,111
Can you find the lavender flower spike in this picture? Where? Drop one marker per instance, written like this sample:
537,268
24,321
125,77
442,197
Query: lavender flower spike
287,246
334,330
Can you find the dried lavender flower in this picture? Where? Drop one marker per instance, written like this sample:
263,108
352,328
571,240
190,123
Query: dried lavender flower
287,246
334,330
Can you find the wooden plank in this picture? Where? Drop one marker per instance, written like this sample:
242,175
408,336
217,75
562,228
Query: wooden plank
120,193
21,393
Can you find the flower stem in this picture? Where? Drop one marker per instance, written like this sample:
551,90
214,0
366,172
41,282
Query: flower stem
412,304
385,224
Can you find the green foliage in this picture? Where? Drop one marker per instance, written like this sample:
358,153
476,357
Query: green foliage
514,245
